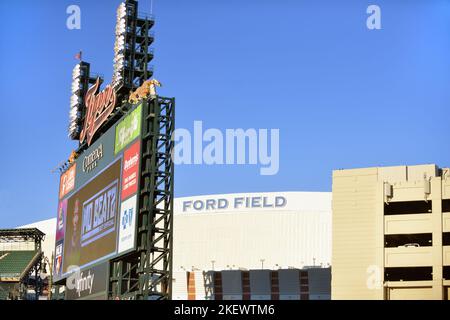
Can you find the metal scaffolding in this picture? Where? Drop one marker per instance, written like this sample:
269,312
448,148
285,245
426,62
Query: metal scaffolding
146,274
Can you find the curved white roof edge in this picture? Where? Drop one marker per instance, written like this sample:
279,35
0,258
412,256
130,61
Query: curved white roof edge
255,193
36,224
263,201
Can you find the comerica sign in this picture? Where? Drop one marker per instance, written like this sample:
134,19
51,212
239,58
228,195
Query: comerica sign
90,161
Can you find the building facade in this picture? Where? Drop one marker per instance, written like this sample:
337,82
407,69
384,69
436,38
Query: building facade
252,231
391,233
310,283
253,246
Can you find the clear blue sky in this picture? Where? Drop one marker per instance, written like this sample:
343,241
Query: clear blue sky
342,96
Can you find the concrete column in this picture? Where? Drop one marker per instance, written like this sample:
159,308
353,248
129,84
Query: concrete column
436,197
379,227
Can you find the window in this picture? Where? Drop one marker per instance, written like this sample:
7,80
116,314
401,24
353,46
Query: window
408,274
408,240
407,207
446,272
446,239
446,205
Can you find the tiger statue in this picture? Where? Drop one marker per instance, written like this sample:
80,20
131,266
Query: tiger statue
73,157
148,89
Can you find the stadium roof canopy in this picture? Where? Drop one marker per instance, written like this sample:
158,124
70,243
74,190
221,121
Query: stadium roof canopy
15,264
20,235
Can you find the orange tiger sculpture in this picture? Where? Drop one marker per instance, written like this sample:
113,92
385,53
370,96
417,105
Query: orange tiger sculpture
148,89
73,157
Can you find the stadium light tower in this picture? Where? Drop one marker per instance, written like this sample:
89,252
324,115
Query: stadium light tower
76,102
132,52
80,84
119,47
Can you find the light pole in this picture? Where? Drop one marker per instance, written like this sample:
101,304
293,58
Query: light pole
50,278
262,263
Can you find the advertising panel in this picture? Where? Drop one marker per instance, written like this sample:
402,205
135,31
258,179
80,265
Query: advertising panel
88,284
97,206
127,225
128,129
130,170
58,259
67,182
91,225
61,220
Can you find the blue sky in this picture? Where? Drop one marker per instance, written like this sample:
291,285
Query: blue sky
342,96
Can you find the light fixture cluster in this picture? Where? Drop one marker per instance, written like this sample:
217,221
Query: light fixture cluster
119,47
76,102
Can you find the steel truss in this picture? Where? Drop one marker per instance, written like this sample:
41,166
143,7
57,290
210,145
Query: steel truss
32,278
147,272
138,53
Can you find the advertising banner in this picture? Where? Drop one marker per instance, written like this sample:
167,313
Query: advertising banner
58,260
127,224
88,284
91,224
130,170
67,181
61,220
128,129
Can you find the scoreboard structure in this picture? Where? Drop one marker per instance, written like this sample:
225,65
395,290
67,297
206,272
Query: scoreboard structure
115,206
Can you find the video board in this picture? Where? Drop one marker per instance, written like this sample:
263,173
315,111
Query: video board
97,208
92,220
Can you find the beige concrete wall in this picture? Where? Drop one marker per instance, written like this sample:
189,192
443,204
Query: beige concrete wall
357,239
405,224
413,293
408,257
446,256
446,183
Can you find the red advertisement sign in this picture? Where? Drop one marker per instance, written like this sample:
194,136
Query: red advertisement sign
130,170
67,182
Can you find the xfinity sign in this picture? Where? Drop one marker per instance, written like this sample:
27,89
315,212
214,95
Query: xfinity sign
83,284
236,203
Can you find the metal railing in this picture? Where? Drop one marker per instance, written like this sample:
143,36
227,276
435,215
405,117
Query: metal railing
146,16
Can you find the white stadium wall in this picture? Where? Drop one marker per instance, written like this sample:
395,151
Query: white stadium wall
49,228
240,235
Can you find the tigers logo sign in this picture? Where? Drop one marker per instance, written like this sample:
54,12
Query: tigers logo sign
99,107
